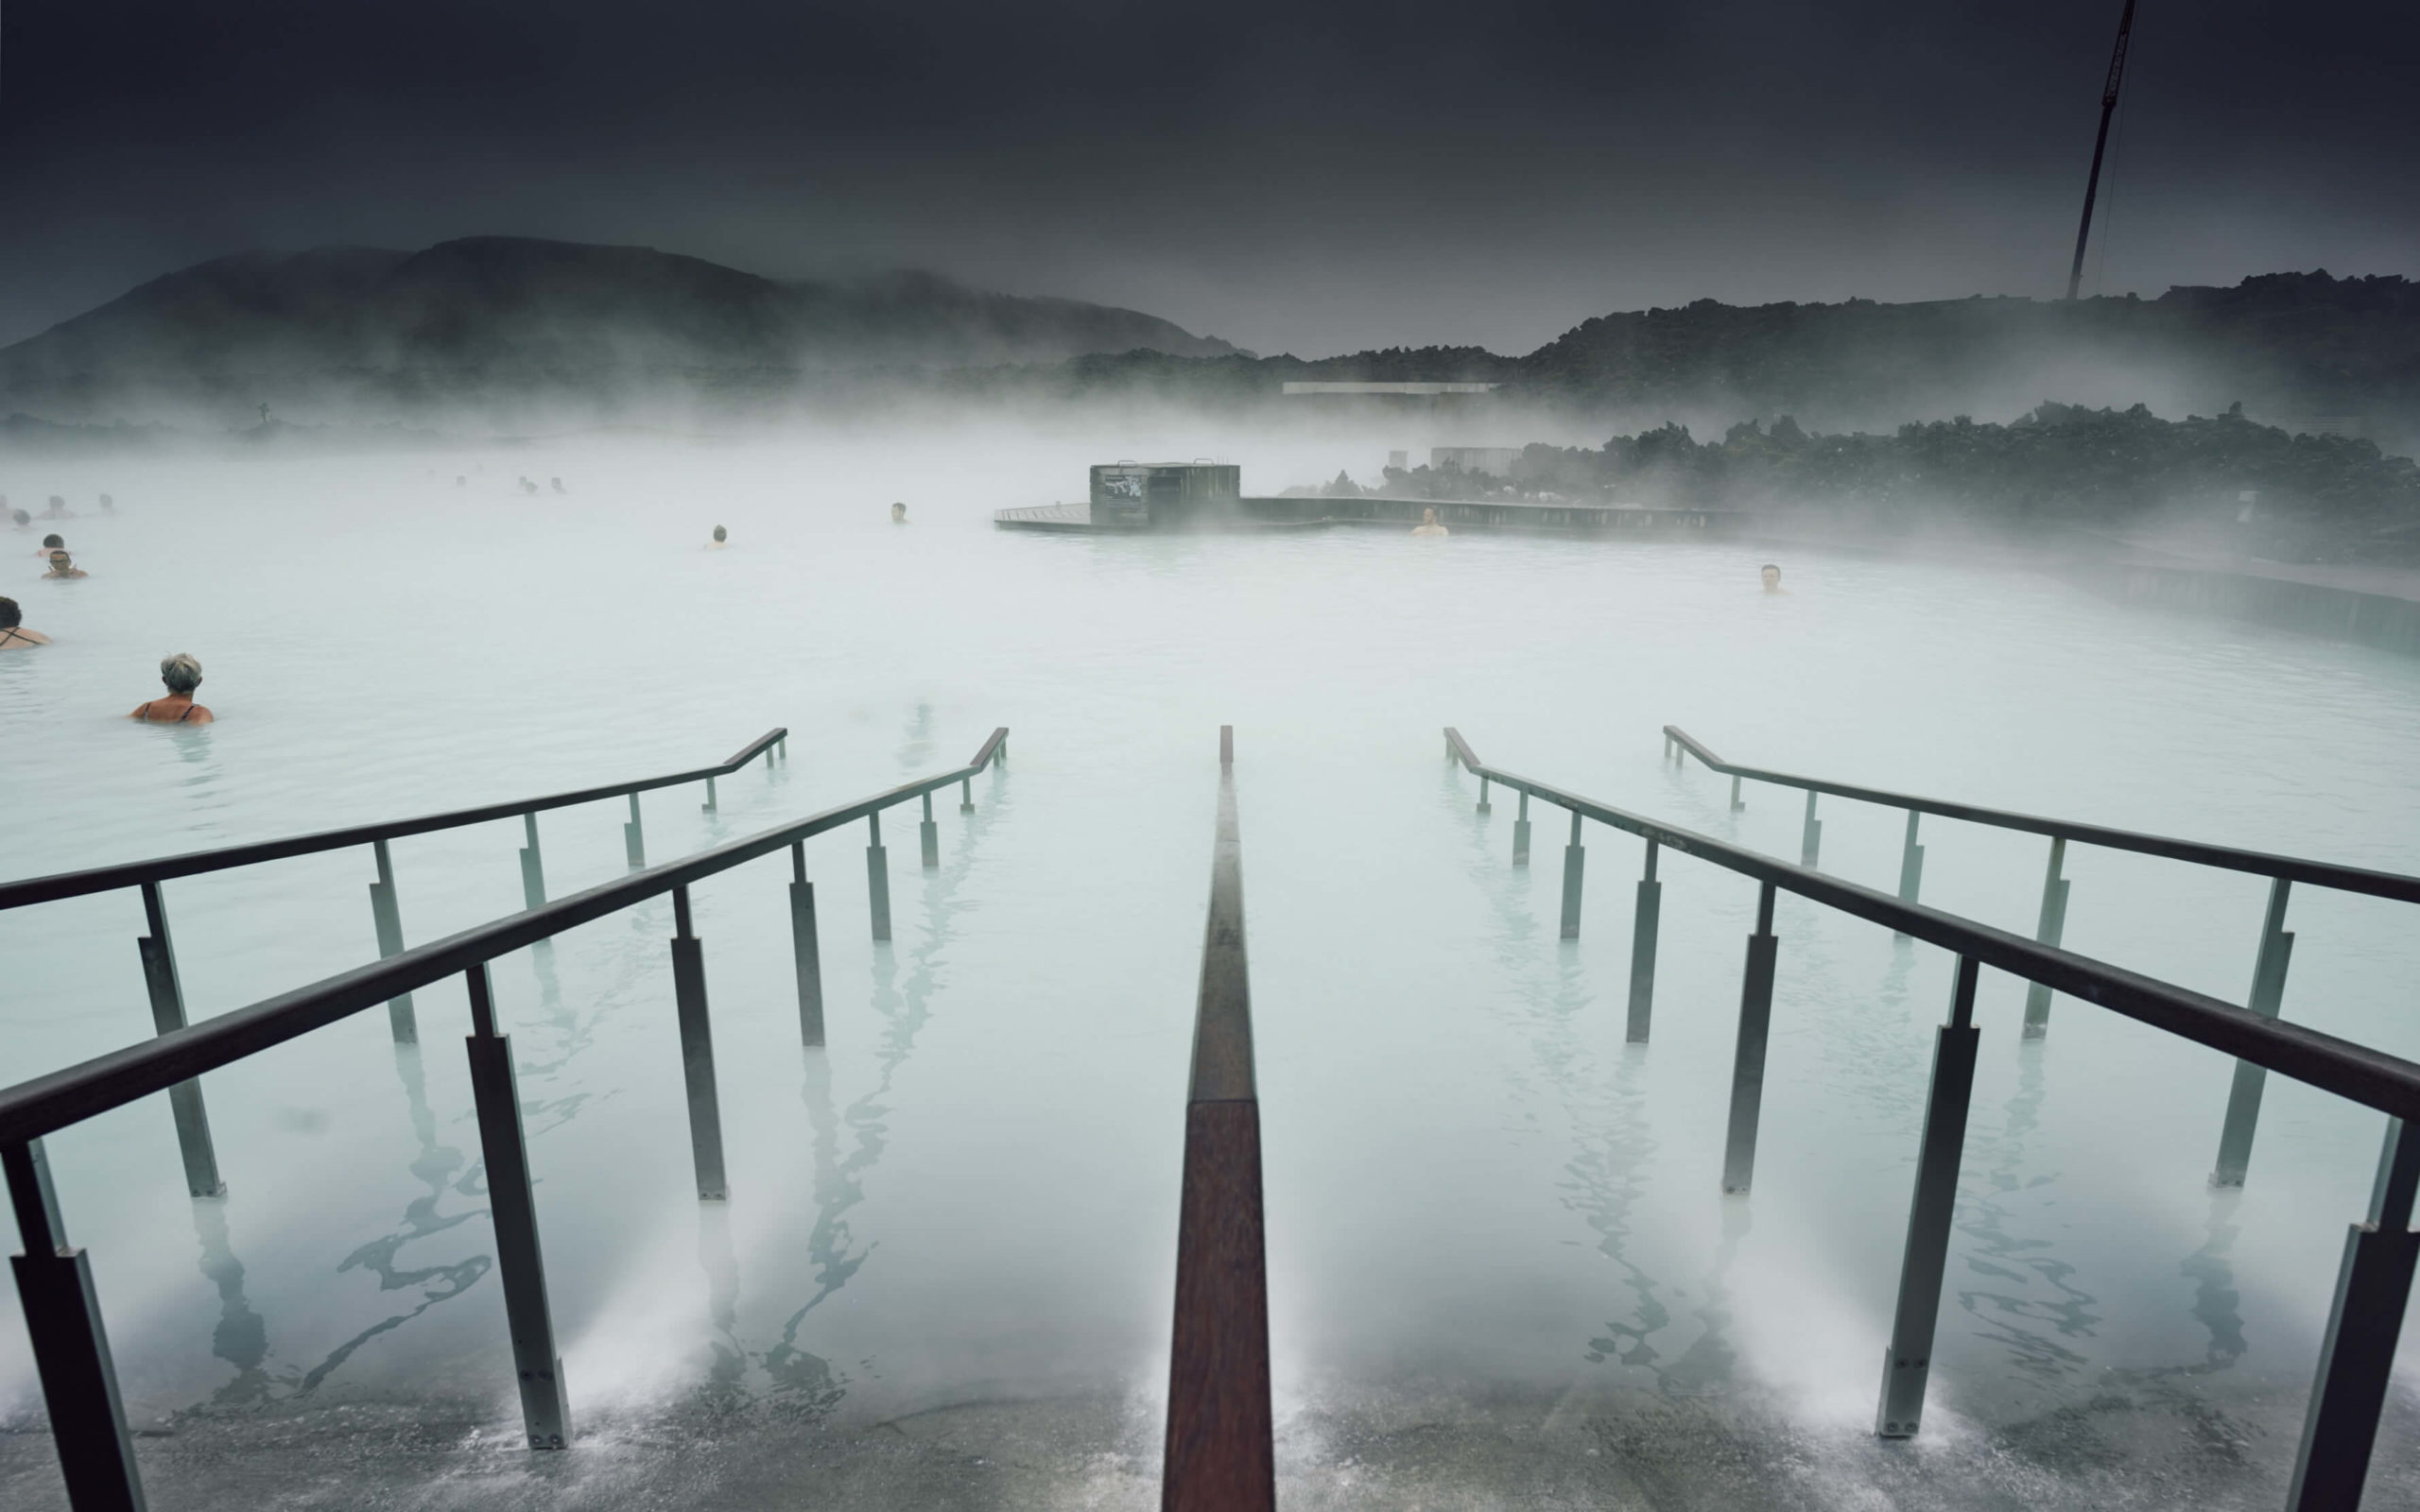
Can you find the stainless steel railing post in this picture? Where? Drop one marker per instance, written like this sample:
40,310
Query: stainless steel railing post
1574,860
2356,1354
1642,951
804,951
513,1207
878,877
1906,1363
533,866
2052,924
697,1051
71,1348
168,1015
1748,1061
2268,994
387,918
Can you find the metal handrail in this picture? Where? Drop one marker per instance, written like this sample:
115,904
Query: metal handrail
2370,1078
135,873
45,1103
2272,959
2381,1254
54,1277
2289,869
1219,1454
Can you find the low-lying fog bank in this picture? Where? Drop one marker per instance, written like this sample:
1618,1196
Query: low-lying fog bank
1503,1271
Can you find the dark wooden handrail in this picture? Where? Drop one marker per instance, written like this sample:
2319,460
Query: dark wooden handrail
193,863
1219,1454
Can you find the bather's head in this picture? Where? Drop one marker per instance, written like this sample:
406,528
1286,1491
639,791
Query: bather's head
20,519
721,535
53,541
1773,577
899,514
60,562
181,673
10,615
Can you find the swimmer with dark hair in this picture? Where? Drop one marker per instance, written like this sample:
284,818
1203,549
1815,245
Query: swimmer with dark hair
13,634
181,675
62,565
58,509
1771,575
722,539
18,517
898,514
51,543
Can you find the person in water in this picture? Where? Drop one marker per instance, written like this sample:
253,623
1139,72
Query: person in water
182,675
13,634
108,506
1772,576
18,517
898,514
722,539
58,509
62,565
558,485
1429,526
49,543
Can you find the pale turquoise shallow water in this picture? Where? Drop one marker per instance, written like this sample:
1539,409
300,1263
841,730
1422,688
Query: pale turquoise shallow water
1477,1193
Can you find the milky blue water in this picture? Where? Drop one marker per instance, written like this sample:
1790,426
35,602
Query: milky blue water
1487,1215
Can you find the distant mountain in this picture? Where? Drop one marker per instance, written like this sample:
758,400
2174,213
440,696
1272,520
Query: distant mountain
492,317
2304,350
2302,346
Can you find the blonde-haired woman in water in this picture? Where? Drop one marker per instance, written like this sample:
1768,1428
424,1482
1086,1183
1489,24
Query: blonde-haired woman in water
182,674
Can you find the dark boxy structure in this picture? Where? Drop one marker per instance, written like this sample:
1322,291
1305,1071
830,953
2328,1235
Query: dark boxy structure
1162,493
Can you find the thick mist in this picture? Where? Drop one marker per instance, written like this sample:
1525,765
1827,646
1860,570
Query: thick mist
1486,1213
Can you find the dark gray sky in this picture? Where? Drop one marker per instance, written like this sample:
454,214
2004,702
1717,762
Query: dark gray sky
1288,174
